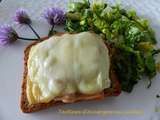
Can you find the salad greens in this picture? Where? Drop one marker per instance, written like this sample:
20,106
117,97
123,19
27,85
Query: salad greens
130,35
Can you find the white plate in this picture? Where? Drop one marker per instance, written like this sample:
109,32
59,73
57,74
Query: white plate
11,68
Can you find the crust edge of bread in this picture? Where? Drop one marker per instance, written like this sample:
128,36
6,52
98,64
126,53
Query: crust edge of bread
115,90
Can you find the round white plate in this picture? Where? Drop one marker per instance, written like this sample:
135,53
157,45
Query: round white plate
139,105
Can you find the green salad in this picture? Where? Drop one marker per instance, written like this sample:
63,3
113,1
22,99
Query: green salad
131,37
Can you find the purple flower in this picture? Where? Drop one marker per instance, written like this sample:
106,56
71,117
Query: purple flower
54,16
21,17
7,35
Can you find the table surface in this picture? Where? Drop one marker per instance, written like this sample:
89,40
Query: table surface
11,68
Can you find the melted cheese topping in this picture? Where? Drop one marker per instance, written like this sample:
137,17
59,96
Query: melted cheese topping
67,64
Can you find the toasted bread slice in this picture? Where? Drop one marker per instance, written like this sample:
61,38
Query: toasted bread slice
114,90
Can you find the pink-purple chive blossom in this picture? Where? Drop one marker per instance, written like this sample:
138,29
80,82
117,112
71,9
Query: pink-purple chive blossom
21,17
54,16
7,35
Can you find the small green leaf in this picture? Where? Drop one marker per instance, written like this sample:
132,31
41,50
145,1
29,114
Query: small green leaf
150,65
